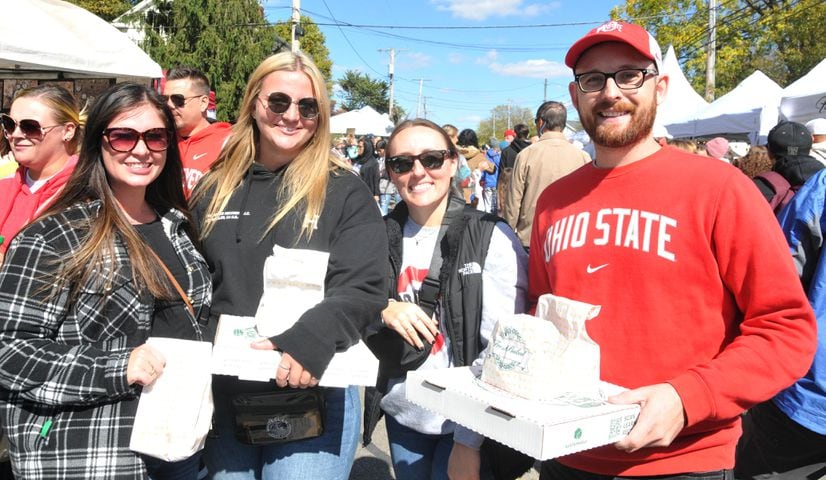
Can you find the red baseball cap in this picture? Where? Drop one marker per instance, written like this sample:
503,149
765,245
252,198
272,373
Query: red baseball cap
510,132
633,35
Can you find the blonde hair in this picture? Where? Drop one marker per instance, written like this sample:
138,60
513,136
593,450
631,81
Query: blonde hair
63,106
305,178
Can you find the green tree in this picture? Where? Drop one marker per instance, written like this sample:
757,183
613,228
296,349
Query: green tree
105,9
226,39
358,90
312,42
782,38
497,123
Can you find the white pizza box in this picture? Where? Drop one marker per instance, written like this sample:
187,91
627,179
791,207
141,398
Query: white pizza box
542,430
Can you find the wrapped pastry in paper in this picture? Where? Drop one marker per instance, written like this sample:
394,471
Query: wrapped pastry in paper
545,356
175,413
293,283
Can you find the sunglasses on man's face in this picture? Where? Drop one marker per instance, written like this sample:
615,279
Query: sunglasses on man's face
178,100
279,103
125,140
30,128
431,160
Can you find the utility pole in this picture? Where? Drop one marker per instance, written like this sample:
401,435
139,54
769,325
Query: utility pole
424,106
711,49
509,115
390,70
295,20
545,93
419,99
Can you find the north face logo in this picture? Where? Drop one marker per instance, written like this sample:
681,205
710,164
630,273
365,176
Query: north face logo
609,27
470,268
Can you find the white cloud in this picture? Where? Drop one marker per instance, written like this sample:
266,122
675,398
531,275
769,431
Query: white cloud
471,119
455,58
483,9
531,69
488,58
416,60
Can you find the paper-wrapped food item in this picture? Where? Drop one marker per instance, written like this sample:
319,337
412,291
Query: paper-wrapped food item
545,356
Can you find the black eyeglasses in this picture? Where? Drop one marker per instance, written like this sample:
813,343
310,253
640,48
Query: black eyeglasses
125,140
626,79
431,160
178,100
30,128
279,103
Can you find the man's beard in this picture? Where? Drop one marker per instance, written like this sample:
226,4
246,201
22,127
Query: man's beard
642,121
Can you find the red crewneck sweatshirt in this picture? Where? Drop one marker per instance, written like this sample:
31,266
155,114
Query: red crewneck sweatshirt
697,289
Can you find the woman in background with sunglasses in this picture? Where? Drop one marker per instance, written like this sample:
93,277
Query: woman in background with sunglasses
482,277
276,182
86,284
43,131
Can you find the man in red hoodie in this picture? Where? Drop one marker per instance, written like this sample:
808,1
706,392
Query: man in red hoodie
200,142
702,314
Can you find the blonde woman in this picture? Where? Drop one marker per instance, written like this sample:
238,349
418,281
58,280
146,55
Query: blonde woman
43,131
276,182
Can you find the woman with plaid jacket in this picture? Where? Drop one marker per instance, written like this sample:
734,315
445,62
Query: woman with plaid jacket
82,288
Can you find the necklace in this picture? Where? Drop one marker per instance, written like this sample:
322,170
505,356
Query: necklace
424,234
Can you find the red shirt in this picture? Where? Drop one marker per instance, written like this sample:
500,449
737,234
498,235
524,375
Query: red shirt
19,205
199,152
697,289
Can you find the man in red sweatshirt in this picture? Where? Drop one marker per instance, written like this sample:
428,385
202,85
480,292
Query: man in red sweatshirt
702,313
200,142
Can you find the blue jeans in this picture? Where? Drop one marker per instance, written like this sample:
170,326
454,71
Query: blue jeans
329,456
553,470
417,455
182,470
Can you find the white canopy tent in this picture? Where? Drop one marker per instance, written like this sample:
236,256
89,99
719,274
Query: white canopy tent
364,120
805,99
54,39
681,101
750,110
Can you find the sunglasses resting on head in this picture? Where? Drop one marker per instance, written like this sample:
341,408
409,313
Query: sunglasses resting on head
30,128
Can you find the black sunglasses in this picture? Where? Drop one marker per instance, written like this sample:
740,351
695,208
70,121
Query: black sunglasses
126,139
30,128
177,99
279,103
431,160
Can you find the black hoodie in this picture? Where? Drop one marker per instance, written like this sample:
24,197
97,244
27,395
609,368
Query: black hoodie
509,154
369,167
350,227
795,169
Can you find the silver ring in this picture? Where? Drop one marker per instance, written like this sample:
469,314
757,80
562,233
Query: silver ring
285,367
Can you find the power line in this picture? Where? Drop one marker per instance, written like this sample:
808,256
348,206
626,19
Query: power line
351,45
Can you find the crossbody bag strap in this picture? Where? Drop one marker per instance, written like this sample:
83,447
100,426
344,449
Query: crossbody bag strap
175,283
429,290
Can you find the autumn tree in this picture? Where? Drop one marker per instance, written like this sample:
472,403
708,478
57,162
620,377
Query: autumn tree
782,38
105,9
497,123
312,42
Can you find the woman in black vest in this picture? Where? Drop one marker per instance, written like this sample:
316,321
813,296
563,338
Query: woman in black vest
440,269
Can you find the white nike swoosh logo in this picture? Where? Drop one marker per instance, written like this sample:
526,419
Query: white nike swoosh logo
591,269
196,157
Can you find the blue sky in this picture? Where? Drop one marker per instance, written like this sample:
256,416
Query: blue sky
470,64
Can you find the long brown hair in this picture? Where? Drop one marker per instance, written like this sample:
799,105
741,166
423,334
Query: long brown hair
305,178
89,181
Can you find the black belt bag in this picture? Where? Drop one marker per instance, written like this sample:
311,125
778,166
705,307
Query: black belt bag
278,417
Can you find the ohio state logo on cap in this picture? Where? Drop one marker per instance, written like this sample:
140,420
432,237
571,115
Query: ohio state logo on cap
615,31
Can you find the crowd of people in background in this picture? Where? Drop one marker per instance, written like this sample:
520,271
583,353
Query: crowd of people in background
138,215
